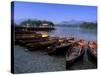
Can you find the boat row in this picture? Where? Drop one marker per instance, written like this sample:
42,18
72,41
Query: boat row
72,48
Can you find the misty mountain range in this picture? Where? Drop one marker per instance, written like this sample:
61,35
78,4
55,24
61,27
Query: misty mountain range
63,23
71,22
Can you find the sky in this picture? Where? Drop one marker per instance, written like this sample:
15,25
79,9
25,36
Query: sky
54,12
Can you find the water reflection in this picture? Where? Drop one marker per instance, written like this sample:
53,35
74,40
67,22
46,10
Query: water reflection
85,62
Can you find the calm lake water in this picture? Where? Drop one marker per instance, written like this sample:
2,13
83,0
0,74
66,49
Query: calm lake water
40,61
87,35
75,32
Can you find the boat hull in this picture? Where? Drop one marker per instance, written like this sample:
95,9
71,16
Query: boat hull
40,45
70,62
60,50
91,56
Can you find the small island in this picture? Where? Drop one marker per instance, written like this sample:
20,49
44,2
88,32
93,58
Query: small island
36,25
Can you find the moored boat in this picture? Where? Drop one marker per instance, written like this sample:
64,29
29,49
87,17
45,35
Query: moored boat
27,38
60,47
92,50
30,40
57,49
40,45
75,51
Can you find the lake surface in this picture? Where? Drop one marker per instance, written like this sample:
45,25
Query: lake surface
40,61
87,35
75,32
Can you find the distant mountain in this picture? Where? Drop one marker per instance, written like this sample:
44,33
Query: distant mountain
72,22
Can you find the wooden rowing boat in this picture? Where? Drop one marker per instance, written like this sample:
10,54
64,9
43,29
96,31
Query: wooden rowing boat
28,36
23,42
75,51
57,49
92,50
40,45
36,35
23,39
60,47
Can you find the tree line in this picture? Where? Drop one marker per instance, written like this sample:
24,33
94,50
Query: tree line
88,25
